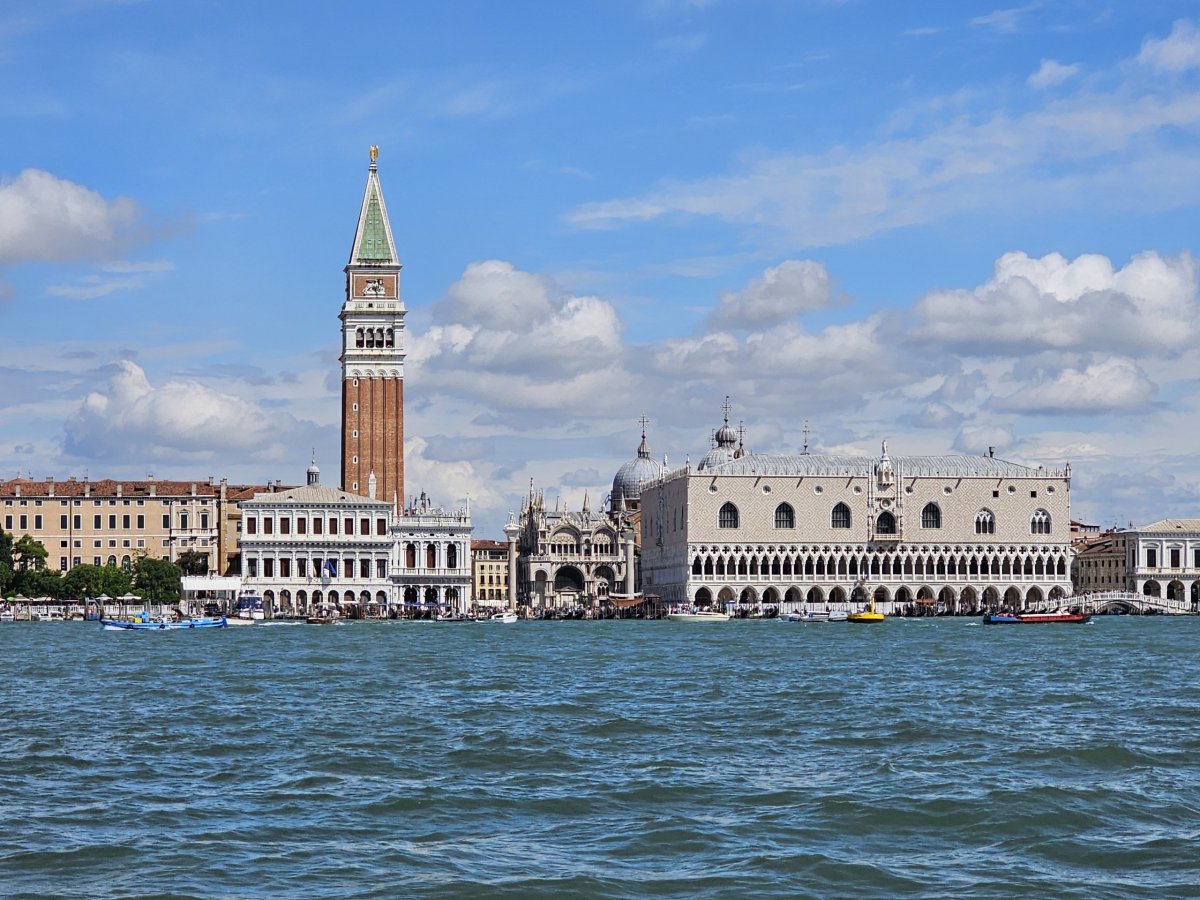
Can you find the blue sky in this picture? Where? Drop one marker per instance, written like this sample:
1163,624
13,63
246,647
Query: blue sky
951,225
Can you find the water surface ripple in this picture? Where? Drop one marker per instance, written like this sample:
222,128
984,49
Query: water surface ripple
933,758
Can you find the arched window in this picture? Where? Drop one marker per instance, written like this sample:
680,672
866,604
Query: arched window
430,556
885,524
728,517
452,556
410,555
985,522
358,337
696,567
931,516
840,517
1040,523
785,516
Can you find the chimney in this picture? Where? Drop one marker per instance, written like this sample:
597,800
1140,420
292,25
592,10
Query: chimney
120,488
49,485
991,451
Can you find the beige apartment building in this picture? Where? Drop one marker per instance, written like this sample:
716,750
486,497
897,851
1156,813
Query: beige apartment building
489,572
109,522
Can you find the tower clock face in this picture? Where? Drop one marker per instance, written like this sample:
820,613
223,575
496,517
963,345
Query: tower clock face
373,287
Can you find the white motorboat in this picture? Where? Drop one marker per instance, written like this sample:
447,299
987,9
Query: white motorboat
838,615
7,615
808,616
697,615
249,607
506,617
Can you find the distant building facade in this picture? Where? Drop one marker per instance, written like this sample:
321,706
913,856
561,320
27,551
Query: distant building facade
950,533
111,523
489,572
314,547
1157,560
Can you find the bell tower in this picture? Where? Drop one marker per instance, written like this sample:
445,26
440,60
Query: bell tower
373,353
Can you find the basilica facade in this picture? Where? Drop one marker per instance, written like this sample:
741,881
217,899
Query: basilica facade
915,533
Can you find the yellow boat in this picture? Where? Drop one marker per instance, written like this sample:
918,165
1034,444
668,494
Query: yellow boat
867,615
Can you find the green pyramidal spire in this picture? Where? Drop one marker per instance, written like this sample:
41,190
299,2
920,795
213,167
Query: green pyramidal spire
373,242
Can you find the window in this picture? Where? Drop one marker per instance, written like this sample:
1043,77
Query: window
268,568
37,523
141,522
268,525
96,522
318,525
285,525
204,520
285,568
785,516
301,525
985,522
840,517
381,526
931,516
1175,554
1040,523
112,522
183,521
1151,557
252,568
251,525
62,522
364,568
166,521
364,527
302,566
381,568
349,527
332,526
885,524
125,521
728,516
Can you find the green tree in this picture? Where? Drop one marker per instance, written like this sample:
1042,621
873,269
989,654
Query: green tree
192,562
28,554
157,579
6,562
39,583
83,581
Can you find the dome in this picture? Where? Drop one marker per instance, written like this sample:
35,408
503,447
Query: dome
727,445
627,485
314,474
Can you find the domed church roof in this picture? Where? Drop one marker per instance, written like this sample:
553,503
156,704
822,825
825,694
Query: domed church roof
627,485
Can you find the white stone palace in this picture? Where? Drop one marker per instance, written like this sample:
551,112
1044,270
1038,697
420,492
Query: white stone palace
919,533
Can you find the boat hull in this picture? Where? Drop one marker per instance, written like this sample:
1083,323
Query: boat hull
1037,618
697,617
865,618
186,624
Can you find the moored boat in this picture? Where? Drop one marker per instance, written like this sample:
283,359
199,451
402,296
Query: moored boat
868,615
506,617
697,615
165,623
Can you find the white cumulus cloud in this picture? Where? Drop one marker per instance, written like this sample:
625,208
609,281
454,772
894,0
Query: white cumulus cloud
1177,52
179,418
780,294
44,218
1055,303
1111,385
1050,73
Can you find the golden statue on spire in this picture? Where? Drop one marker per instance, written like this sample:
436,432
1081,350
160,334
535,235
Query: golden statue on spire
374,152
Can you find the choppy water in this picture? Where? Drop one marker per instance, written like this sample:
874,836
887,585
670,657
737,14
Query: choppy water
613,759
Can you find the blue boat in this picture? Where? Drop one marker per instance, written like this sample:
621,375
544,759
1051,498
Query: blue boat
1001,619
145,623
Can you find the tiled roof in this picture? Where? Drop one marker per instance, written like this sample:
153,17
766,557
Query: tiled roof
1170,525
106,487
905,466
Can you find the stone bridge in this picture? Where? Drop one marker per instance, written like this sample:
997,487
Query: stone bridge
1103,601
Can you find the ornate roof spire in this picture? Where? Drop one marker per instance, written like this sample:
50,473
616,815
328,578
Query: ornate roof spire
643,447
373,244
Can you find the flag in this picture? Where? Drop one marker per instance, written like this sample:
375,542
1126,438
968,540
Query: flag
331,568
